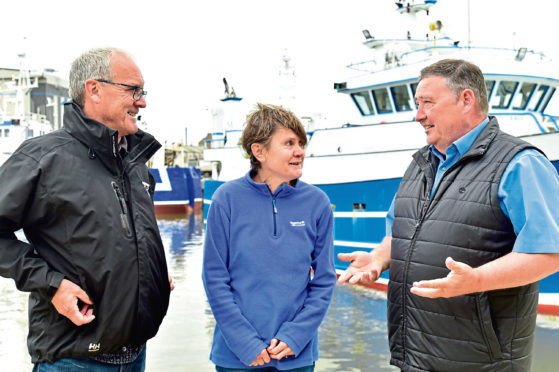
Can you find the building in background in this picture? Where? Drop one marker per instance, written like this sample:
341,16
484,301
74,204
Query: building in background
31,104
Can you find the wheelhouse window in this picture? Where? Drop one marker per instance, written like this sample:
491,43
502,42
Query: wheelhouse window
382,100
363,102
401,97
489,84
544,106
503,94
523,96
537,98
413,87
6,132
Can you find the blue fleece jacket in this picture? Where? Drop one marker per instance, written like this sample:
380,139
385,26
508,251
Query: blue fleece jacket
258,254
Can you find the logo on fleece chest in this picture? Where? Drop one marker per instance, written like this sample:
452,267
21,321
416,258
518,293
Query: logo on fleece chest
297,223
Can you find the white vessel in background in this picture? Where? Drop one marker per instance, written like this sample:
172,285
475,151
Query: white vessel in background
30,105
360,165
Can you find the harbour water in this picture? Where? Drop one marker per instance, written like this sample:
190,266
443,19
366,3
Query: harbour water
352,336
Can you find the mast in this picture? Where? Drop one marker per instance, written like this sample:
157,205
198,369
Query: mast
23,87
468,12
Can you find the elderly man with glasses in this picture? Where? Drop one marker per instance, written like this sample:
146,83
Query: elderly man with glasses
93,260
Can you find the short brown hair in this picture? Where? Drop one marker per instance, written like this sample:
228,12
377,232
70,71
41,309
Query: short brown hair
460,75
261,125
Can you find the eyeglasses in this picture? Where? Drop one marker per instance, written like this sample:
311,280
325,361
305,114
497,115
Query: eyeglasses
136,95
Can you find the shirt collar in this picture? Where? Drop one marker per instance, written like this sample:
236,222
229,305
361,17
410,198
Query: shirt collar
123,144
462,144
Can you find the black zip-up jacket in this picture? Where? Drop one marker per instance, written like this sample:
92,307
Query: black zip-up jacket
88,216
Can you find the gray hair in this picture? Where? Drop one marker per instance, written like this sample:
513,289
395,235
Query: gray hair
460,75
93,64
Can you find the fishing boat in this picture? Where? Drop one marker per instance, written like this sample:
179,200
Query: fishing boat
360,165
178,190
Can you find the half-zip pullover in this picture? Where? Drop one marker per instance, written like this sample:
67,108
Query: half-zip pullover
258,254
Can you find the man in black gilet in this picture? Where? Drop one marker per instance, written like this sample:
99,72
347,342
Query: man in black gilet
473,227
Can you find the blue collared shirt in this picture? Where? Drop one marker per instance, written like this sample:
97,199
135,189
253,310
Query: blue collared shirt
528,194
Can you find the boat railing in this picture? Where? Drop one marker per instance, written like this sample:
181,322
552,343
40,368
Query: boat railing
394,59
553,119
515,123
37,118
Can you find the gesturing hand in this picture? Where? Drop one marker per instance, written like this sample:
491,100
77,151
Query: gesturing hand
461,279
261,359
279,349
171,284
65,300
364,268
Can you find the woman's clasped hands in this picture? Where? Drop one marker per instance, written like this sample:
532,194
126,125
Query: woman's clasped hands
277,350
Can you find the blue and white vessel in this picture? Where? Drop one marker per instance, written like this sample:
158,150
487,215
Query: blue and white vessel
360,165
178,190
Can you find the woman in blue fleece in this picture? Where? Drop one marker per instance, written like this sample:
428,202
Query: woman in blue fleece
265,231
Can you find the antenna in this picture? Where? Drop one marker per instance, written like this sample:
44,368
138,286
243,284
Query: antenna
469,40
226,87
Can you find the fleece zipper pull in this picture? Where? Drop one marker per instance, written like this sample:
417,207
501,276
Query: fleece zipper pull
275,212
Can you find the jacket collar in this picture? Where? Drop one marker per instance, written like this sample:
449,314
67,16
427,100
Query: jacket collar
484,139
478,147
102,141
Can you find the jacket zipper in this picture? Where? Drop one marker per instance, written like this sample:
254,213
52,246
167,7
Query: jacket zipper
123,209
275,212
417,227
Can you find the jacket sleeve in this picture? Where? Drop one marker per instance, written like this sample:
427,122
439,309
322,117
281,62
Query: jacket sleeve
19,179
303,327
240,336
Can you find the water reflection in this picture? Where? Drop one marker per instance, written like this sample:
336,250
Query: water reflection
13,327
184,339
353,333
352,337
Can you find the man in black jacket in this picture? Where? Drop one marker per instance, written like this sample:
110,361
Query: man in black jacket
473,227
94,263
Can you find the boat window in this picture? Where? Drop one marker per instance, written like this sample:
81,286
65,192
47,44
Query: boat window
413,90
489,84
503,94
521,98
537,98
363,102
6,132
401,97
544,106
382,100
359,206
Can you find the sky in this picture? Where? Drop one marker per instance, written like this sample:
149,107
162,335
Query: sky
185,48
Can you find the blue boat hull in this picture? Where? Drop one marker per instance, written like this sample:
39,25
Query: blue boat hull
177,190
